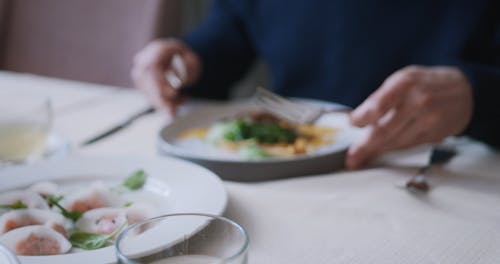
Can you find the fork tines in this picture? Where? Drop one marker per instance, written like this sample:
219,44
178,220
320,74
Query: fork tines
282,107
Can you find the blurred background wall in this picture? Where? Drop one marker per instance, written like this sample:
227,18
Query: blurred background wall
95,40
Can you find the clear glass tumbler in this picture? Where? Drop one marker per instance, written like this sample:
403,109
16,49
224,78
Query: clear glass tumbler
25,122
7,256
188,238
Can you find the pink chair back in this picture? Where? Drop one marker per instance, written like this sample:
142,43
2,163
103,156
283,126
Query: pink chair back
87,40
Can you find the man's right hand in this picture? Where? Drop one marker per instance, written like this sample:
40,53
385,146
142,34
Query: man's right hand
154,61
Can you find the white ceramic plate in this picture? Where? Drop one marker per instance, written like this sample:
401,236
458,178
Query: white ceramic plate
184,187
327,158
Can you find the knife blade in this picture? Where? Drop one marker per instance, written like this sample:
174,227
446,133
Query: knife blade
119,126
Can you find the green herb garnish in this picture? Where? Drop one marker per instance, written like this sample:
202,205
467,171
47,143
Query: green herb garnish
262,132
271,133
253,152
128,204
236,130
15,206
135,181
54,201
90,241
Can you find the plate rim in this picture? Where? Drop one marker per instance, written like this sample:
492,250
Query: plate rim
95,255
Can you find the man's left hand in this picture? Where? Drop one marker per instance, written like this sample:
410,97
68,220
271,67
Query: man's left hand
415,105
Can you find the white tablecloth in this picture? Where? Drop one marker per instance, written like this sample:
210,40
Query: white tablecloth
343,217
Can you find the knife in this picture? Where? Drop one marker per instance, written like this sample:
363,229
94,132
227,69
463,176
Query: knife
119,127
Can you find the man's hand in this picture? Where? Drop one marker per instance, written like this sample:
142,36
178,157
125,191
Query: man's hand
152,63
415,105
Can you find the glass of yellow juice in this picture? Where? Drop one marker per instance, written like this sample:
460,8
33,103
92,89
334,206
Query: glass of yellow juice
184,238
25,123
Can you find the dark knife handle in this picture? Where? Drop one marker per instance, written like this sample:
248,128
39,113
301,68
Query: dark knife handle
118,127
441,155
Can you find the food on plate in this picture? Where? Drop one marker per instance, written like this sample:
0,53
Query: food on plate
45,188
135,181
90,241
35,240
138,211
258,135
101,221
95,196
44,219
25,217
20,199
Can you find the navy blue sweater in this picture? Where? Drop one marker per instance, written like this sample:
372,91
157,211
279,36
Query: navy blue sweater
342,50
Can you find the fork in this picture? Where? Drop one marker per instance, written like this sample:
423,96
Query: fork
439,156
295,112
178,72
174,76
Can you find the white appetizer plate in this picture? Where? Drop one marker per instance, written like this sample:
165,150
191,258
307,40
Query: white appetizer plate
181,187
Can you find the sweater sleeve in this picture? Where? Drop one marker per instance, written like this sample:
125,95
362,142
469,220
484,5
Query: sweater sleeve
485,123
225,50
484,76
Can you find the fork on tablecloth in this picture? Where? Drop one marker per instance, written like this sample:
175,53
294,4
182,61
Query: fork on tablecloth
419,182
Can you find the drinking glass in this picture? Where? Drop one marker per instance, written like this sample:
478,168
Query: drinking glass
25,122
7,256
188,238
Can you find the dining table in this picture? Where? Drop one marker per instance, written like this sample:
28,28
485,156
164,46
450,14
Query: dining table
343,216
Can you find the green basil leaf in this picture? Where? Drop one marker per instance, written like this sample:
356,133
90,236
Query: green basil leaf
136,180
90,241
54,201
16,205
73,215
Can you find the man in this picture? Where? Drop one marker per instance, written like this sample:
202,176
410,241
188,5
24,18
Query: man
415,71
